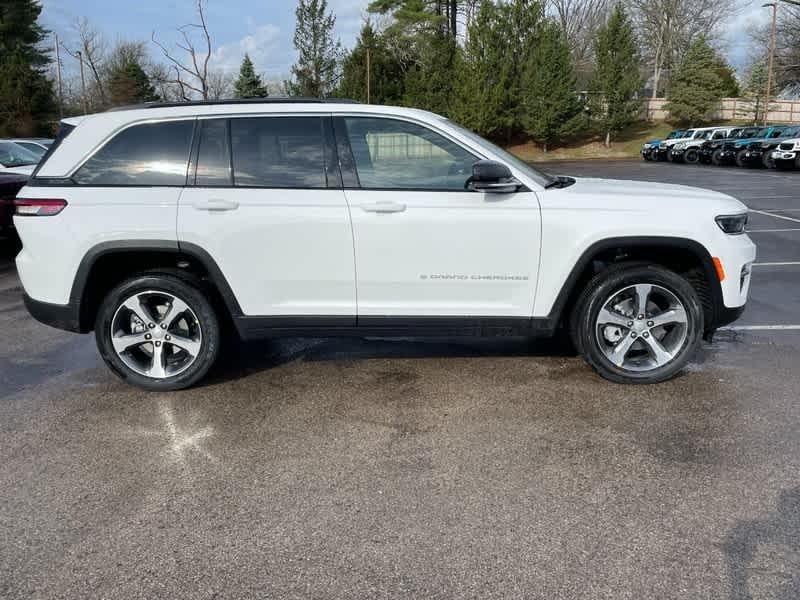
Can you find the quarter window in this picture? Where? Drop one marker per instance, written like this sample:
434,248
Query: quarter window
394,154
213,154
278,152
151,154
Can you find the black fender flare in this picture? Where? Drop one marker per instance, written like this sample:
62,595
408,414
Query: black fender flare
634,242
192,251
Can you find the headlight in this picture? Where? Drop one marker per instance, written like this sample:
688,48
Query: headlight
648,146
732,224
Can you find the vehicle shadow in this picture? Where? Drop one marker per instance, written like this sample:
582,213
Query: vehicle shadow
763,555
239,359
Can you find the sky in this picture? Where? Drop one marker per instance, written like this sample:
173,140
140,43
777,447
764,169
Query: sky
264,28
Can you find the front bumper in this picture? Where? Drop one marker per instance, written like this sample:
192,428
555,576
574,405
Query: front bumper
660,153
753,156
784,155
677,155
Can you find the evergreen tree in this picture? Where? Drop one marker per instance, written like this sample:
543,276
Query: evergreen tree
249,84
26,96
696,87
129,84
522,22
730,85
386,72
316,70
552,109
617,81
482,75
756,92
429,83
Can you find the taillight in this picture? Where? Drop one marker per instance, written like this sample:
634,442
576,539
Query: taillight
36,207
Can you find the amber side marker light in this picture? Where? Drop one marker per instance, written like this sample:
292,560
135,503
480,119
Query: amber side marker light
719,268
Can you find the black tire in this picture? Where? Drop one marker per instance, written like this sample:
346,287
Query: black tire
181,288
716,157
692,156
669,156
767,160
602,287
740,158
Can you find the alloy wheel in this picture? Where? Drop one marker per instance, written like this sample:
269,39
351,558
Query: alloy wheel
156,334
641,327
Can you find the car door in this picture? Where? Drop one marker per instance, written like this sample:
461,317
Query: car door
424,244
266,202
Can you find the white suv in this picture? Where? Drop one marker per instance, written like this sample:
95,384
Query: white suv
162,226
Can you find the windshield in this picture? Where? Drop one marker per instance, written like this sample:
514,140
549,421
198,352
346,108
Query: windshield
14,155
791,132
675,134
776,134
703,136
541,178
689,134
735,133
35,148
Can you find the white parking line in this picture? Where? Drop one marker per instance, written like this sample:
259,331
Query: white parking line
762,212
777,264
761,328
770,230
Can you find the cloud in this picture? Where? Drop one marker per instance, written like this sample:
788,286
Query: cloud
264,43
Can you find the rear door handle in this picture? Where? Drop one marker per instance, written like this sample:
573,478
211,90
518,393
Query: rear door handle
216,205
384,207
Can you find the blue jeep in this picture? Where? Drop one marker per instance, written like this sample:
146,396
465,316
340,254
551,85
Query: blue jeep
650,149
758,153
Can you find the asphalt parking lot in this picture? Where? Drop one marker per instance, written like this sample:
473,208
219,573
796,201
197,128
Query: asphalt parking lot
377,468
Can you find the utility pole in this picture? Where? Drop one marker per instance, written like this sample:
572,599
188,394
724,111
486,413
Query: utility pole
369,75
79,55
774,6
58,80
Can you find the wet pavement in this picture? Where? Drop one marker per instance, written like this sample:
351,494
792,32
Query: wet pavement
420,469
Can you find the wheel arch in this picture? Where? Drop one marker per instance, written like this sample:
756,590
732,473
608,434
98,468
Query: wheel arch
108,263
683,255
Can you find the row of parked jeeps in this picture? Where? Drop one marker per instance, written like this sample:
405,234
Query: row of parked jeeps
773,147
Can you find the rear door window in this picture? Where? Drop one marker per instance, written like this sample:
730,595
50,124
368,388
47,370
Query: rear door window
150,154
278,152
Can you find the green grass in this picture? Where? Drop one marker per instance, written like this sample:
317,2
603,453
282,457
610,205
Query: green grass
625,145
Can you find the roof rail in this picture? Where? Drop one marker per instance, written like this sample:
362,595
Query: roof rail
268,100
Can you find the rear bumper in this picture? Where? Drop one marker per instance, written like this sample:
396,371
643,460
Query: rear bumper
60,316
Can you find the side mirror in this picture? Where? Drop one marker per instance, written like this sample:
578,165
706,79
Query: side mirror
492,177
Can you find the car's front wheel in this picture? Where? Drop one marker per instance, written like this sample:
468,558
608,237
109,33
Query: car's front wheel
638,323
692,156
716,157
158,332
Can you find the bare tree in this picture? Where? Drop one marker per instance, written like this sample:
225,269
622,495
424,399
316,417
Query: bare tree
220,84
190,75
91,53
580,20
667,27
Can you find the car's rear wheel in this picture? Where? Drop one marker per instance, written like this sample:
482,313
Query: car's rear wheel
638,323
158,332
692,156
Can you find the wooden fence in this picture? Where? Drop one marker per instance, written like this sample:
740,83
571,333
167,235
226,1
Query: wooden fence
780,111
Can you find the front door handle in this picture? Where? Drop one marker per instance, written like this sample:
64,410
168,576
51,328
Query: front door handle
384,207
216,205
